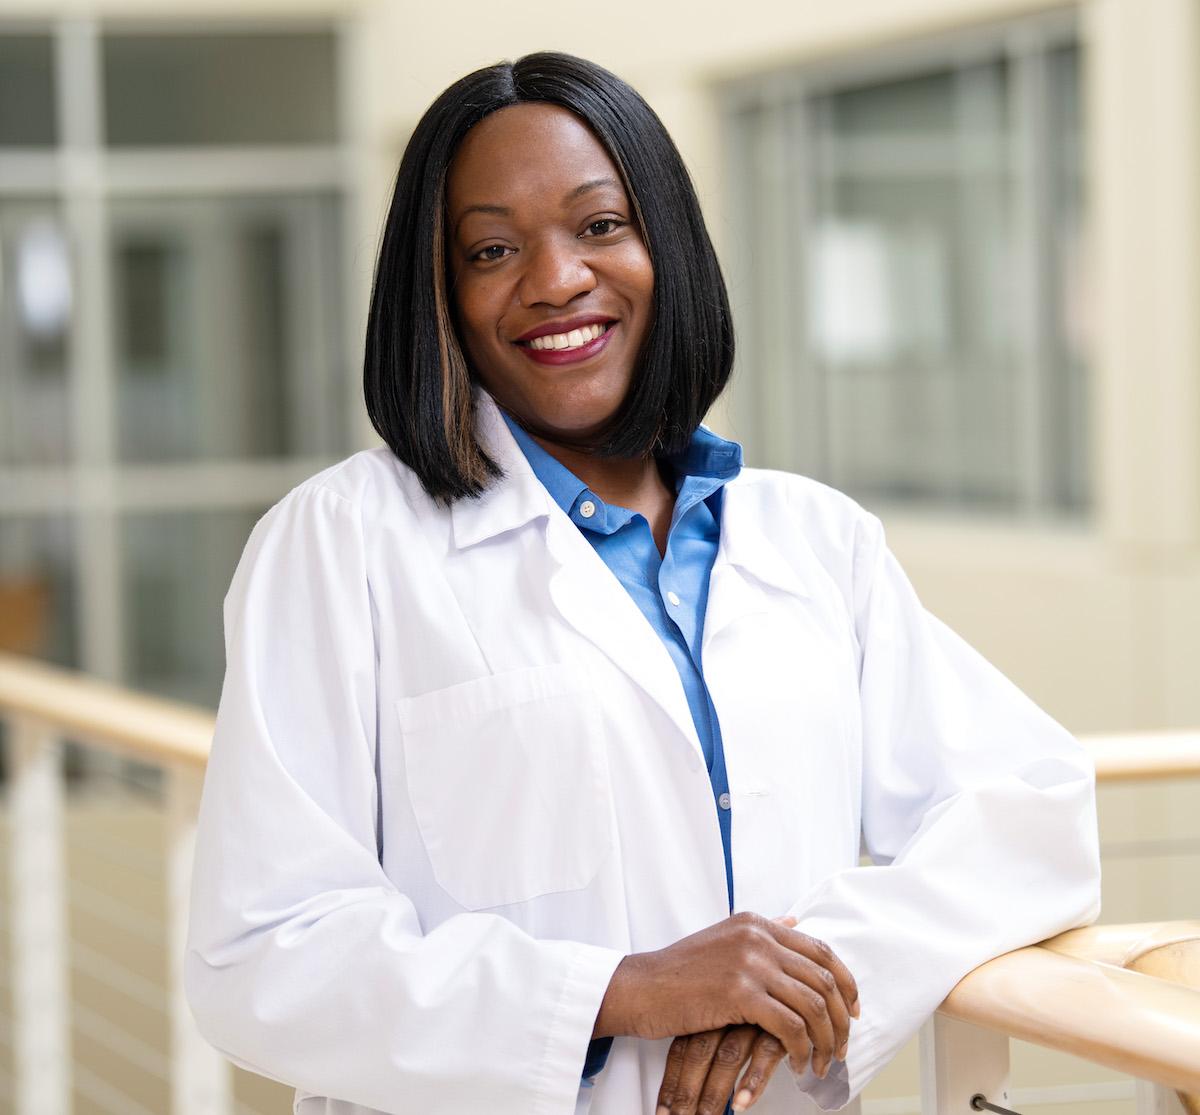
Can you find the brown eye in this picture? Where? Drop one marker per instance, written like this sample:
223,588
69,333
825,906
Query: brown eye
491,252
605,226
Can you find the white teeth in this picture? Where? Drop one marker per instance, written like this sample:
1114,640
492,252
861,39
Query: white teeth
576,338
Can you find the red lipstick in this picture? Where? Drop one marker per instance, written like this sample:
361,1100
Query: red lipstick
569,355
563,325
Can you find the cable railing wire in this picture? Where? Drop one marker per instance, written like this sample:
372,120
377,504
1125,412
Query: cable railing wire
119,978
93,1025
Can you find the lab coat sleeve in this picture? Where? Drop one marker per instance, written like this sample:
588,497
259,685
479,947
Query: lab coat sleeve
978,813
304,962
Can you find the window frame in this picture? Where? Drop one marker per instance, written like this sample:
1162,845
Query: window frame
779,392
94,489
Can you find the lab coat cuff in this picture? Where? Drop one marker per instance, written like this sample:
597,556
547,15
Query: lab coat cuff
587,976
845,1079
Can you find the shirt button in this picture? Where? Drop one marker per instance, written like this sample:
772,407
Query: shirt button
587,509
723,801
673,598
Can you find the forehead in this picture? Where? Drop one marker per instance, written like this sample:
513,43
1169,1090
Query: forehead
525,154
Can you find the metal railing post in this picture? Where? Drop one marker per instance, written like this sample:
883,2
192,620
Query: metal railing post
958,1061
40,987
201,1079
1157,1099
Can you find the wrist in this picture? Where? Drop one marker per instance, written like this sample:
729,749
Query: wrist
623,999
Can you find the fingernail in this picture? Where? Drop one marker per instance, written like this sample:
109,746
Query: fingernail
841,1055
854,1009
660,1110
822,1071
742,1100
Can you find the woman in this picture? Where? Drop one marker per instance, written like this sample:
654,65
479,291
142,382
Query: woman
520,708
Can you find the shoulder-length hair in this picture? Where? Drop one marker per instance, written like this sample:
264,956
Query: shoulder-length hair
416,379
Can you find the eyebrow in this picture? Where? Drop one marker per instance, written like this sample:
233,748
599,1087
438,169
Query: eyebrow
571,195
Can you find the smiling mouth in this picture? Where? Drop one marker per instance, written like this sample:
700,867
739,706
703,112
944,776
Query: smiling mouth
566,342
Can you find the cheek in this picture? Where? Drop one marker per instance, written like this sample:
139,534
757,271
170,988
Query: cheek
472,308
637,276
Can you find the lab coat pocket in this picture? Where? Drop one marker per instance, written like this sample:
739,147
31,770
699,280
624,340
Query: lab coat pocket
508,780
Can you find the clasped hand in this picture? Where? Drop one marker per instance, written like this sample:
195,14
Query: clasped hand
744,990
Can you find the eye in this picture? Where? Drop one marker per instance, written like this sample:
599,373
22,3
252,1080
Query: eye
606,226
491,253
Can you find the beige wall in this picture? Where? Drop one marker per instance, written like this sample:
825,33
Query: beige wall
1093,621
1098,623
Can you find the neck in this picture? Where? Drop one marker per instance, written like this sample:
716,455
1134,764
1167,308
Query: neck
623,481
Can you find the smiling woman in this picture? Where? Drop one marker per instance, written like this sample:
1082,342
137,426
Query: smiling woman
550,734
627,246
551,279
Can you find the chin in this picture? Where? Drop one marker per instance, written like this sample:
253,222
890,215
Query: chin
576,416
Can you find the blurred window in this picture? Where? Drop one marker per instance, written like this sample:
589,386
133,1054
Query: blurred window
227,327
36,301
175,570
173,336
27,101
37,587
908,287
202,89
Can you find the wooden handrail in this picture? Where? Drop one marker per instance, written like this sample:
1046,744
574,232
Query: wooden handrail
80,707
1122,945
1068,994
171,732
1144,756
1065,993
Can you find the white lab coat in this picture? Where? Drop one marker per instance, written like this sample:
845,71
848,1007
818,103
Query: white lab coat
455,780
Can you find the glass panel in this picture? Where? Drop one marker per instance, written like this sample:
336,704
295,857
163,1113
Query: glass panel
915,261
909,277
178,90
37,588
911,105
176,569
27,104
228,328
36,303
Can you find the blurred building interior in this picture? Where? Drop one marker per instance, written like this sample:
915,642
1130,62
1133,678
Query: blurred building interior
961,238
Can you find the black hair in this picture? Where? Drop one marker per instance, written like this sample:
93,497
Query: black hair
415,376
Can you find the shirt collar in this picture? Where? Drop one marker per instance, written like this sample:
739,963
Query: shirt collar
562,484
706,457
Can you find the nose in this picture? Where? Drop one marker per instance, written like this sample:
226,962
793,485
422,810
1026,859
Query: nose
555,272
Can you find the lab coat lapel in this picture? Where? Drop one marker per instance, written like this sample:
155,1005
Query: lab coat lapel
596,604
749,570
583,589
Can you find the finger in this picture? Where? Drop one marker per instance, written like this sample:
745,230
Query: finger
783,1023
698,1054
810,1005
822,981
765,1056
666,1091
732,1053
819,952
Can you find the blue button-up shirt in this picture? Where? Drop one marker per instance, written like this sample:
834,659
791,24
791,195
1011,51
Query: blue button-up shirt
670,589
